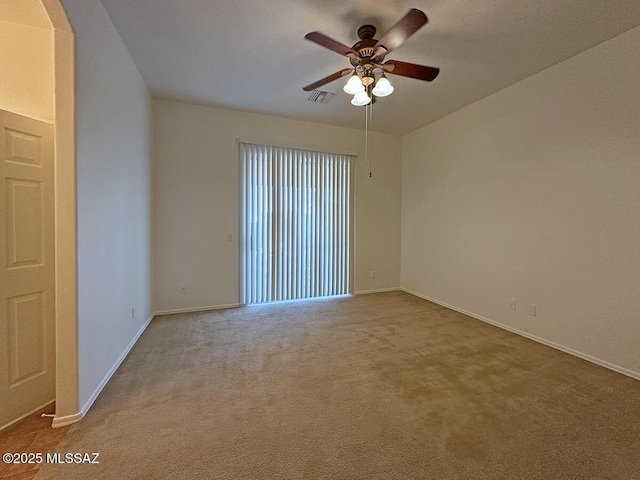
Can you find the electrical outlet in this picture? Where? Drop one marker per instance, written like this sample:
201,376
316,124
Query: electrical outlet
512,303
133,313
532,309
183,289
373,274
229,237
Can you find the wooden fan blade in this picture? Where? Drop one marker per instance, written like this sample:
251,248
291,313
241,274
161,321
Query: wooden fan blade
331,44
403,29
405,69
328,79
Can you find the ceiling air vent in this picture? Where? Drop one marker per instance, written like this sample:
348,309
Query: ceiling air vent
319,96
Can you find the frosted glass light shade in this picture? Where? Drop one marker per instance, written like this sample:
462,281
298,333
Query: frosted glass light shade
383,88
354,85
360,99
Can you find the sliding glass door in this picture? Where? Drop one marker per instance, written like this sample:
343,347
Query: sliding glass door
296,224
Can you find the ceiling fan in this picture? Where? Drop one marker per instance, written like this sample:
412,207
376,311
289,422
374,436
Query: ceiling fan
367,59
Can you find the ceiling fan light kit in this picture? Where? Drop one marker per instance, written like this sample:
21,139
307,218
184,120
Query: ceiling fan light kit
354,85
360,99
367,59
383,87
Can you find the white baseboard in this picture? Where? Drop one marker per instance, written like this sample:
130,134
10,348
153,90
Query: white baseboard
196,309
69,419
379,290
27,414
66,420
557,346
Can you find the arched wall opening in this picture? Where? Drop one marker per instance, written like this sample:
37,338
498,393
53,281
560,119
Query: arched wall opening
37,81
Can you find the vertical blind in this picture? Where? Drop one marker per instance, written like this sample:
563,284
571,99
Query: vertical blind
296,223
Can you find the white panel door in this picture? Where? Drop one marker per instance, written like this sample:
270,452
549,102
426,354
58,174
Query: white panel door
27,311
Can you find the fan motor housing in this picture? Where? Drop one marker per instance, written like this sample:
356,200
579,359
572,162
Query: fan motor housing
365,50
365,47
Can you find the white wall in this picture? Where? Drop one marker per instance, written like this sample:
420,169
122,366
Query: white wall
196,199
26,75
113,141
534,193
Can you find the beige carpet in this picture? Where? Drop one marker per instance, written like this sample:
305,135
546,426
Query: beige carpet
384,386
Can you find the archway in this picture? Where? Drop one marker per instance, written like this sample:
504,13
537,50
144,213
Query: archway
51,99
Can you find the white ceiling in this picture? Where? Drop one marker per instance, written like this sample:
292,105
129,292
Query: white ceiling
251,54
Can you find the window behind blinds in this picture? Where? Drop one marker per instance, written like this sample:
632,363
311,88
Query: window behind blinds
296,223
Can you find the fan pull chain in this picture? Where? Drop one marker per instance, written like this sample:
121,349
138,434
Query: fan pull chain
366,135
370,120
